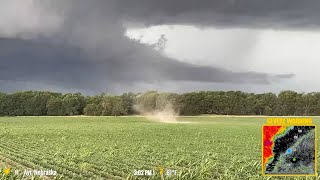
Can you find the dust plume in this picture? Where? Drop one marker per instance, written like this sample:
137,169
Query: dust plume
165,115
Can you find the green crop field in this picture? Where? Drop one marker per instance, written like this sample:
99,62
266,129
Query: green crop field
113,147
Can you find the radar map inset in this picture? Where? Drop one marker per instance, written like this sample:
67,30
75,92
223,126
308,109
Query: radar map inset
288,150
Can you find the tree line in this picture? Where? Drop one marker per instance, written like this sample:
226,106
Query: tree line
41,103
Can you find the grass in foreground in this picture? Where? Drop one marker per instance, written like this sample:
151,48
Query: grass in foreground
113,147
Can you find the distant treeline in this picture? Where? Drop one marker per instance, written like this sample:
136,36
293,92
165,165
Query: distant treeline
34,103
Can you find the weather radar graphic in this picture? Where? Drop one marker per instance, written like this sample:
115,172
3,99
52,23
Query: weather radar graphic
288,149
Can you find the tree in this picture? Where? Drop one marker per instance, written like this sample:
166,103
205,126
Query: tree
36,105
55,107
92,110
308,101
18,102
3,104
287,102
73,104
128,102
147,101
106,105
117,106
191,103
315,104
265,104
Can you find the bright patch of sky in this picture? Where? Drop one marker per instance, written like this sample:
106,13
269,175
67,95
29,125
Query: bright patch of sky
270,51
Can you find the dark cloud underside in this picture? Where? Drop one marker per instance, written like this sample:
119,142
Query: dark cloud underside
87,49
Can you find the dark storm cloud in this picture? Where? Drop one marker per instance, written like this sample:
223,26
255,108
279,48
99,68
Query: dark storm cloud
69,67
224,13
85,47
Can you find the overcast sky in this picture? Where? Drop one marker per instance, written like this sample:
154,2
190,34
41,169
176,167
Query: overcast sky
104,45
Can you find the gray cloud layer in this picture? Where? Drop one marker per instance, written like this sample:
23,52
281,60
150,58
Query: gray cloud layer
225,13
81,45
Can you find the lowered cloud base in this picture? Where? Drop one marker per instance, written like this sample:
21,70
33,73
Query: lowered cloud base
82,44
